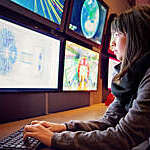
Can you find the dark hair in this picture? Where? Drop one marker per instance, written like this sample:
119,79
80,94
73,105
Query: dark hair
135,23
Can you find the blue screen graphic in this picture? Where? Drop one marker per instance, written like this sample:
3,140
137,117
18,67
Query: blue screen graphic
28,59
88,19
49,9
7,44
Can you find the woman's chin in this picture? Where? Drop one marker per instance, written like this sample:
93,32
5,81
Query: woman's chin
119,57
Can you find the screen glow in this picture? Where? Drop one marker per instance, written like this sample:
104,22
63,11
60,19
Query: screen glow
80,69
28,59
88,19
49,9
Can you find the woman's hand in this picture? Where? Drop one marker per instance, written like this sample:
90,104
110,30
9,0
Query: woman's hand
54,127
39,132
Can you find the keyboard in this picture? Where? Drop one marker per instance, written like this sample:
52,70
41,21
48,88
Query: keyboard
15,141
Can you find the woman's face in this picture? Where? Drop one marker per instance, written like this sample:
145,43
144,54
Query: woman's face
118,44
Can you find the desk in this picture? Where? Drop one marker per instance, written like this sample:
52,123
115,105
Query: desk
93,112
8,128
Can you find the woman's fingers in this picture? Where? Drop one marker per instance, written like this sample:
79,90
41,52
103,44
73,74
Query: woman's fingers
39,132
43,123
54,127
35,122
32,128
29,128
46,124
29,134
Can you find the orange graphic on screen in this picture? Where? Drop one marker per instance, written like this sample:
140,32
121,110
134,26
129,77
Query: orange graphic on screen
80,68
83,74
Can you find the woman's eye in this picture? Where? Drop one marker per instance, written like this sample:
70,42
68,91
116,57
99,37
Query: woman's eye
116,34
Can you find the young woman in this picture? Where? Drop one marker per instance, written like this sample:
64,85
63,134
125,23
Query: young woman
126,123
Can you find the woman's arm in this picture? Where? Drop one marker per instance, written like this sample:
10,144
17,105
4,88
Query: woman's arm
110,119
131,130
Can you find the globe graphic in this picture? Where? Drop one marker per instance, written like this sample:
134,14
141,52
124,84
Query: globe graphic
90,18
8,51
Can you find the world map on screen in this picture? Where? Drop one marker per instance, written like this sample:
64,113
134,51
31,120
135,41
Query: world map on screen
89,18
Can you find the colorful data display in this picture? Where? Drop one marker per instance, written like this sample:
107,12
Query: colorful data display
88,19
49,9
80,68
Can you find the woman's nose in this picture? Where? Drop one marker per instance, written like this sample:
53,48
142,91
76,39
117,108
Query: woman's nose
112,45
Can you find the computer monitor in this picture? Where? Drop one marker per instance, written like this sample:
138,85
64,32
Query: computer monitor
48,12
112,62
80,68
29,60
86,20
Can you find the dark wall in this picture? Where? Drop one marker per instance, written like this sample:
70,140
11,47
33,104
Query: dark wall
17,106
67,100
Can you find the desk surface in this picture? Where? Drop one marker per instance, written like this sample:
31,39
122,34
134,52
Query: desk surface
93,112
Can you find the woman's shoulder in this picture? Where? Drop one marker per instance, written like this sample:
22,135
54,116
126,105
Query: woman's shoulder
146,77
144,86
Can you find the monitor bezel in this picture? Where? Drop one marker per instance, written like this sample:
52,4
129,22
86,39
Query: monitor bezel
43,32
81,37
33,16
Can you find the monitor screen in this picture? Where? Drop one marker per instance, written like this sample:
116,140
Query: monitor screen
80,68
112,62
87,19
49,9
48,12
28,59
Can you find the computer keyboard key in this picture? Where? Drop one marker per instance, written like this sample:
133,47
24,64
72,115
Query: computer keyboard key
15,141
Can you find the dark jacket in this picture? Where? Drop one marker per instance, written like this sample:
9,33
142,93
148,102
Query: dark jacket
117,130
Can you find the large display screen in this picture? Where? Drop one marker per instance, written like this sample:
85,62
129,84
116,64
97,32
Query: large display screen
51,13
49,9
28,59
80,68
112,62
88,19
